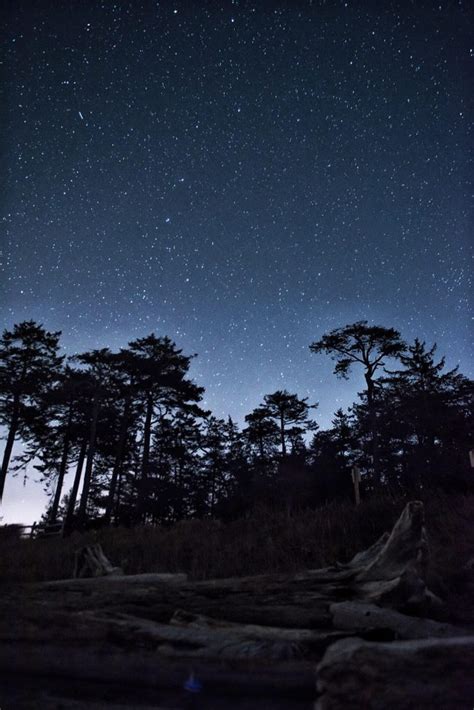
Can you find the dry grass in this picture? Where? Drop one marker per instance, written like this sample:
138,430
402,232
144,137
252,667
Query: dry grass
268,541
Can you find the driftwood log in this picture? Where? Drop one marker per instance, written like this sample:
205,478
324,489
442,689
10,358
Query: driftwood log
262,633
90,561
390,573
365,619
422,674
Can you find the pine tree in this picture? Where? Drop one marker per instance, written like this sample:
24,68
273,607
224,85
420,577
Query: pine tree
160,371
262,433
291,416
428,411
368,346
29,365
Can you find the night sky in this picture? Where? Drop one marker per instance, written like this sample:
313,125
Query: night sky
240,176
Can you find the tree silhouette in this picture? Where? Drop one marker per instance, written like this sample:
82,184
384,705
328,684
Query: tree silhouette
368,346
129,427
62,427
98,371
290,414
428,409
160,371
29,364
332,454
262,432
123,373
241,474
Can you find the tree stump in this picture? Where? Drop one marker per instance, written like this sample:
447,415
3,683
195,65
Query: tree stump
90,561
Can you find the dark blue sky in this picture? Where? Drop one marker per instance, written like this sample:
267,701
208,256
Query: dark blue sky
240,176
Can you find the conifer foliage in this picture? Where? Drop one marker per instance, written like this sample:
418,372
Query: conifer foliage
122,438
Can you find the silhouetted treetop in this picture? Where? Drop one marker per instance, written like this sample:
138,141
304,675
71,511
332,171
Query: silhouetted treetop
29,364
127,430
360,342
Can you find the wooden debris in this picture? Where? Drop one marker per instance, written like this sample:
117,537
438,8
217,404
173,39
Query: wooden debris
362,618
422,674
259,627
113,580
90,561
310,639
396,574
390,573
362,559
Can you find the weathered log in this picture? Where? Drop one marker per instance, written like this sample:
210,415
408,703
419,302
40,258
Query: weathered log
108,581
310,639
396,574
406,548
90,561
123,631
363,618
294,601
423,674
273,600
267,619
391,572
191,643
365,557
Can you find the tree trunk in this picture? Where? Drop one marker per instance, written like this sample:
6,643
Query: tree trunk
90,460
118,460
373,427
282,436
140,512
147,438
75,486
10,441
213,492
118,497
62,468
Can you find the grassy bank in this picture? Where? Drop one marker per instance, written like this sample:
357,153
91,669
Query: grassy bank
268,541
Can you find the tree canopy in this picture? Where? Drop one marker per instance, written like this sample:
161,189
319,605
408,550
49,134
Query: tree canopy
121,437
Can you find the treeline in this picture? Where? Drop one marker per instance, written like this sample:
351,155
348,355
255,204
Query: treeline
130,427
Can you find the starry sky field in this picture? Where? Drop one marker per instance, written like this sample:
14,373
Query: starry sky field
241,176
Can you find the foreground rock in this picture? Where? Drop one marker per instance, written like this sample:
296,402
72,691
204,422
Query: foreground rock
423,674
